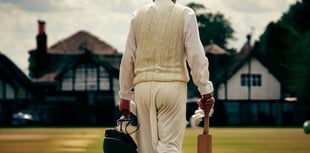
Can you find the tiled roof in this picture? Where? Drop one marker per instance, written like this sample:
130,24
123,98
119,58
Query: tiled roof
72,44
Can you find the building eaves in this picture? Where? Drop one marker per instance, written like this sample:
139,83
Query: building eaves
14,75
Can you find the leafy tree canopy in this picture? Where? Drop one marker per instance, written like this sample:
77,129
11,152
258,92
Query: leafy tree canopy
286,44
213,27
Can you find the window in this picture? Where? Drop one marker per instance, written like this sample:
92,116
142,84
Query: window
67,84
79,78
104,82
245,79
86,77
256,80
251,80
91,79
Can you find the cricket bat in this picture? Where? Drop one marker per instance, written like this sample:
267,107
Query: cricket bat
205,139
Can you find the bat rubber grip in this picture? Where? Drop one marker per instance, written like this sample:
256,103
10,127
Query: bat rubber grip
206,123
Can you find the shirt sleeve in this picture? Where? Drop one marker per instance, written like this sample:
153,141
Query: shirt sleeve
195,54
127,65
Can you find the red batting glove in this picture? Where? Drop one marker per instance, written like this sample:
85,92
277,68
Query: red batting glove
206,103
124,107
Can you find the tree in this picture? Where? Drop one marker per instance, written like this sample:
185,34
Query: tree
286,45
213,28
273,46
299,68
297,54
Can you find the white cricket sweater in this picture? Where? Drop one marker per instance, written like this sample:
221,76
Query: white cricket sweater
160,48
166,60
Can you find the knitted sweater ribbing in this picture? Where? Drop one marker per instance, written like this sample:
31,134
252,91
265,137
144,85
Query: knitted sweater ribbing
160,45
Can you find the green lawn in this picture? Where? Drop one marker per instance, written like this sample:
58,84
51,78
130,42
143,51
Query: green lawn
89,140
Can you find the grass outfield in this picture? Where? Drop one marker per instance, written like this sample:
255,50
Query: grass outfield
89,140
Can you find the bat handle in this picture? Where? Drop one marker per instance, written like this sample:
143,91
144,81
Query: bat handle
206,123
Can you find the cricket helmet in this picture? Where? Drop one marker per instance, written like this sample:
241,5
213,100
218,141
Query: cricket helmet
118,140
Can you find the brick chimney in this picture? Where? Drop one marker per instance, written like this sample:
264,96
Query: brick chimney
39,58
41,38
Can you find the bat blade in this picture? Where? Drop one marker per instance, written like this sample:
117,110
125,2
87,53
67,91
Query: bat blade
205,143
205,139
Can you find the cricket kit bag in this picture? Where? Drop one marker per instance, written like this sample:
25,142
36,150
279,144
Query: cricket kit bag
119,140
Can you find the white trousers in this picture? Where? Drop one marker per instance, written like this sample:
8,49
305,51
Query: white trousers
161,113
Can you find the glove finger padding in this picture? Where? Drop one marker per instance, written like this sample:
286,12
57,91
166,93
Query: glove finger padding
206,104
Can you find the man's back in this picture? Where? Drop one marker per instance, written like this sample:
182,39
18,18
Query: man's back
160,48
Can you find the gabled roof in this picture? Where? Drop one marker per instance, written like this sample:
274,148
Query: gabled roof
10,72
74,60
70,51
246,53
71,45
240,59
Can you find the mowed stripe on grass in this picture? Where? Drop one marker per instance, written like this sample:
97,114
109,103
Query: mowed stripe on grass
51,140
89,140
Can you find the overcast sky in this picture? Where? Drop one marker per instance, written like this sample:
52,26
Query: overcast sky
109,20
